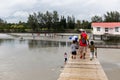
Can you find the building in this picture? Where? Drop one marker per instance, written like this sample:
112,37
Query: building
105,28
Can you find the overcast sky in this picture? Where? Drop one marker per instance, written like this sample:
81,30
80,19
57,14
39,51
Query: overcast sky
18,10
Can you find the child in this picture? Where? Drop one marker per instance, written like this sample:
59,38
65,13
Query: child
73,49
92,50
65,57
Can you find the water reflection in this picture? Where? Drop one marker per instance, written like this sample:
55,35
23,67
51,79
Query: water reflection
2,41
44,44
35,43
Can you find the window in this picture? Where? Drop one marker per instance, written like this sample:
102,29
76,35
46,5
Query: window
116,29
106,29
98,28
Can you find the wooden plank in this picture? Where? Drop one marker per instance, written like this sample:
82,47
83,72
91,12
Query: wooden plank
83,69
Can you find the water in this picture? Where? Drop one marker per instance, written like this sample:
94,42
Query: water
31,59
110,61
42,60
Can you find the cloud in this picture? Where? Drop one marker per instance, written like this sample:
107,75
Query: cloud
59,2
16,10
20,14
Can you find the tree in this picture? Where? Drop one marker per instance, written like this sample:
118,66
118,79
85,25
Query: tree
17,27
55,20
78,24
32,21
63,24
41,21
96,19
3,24
85,24
71,22
112,16
48,17
1,21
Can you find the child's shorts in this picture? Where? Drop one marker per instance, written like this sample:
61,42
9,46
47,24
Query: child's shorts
74,53
65,59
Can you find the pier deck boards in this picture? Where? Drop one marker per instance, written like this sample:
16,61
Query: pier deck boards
83,69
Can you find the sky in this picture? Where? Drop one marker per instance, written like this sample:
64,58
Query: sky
14,11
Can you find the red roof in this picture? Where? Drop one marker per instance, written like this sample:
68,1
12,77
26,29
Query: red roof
106,24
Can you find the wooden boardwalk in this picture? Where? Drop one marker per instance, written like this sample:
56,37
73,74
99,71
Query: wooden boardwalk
83,69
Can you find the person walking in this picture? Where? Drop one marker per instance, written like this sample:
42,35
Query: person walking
73,49
92,50
65,58
83,44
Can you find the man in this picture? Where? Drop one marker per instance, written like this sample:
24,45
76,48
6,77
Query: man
83,43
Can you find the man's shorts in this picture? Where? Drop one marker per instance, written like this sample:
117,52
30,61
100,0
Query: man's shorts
83,49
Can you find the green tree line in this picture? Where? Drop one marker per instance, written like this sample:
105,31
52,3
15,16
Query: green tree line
52,21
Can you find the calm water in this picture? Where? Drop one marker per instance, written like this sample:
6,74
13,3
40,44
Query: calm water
110,61
31,59
42,60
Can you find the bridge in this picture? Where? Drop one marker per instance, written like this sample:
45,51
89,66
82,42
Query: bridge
83,69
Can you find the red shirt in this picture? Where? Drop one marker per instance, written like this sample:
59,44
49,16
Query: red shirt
83,34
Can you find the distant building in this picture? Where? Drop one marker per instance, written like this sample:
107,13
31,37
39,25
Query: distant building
106,28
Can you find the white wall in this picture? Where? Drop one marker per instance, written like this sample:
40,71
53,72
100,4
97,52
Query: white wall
98,32
102,31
